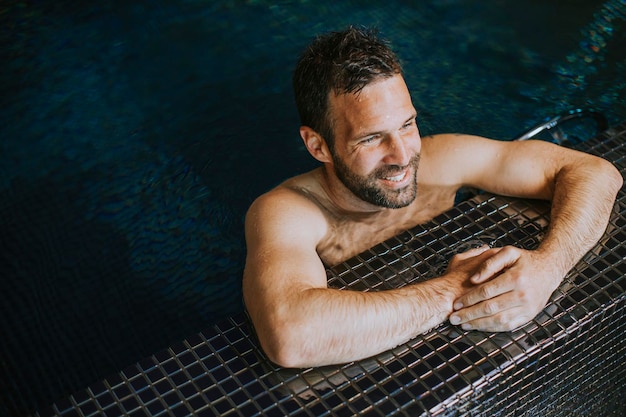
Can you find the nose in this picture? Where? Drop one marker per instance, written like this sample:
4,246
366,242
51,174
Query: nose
399,151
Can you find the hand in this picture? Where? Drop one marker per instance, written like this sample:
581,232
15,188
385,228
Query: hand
510,288
465,265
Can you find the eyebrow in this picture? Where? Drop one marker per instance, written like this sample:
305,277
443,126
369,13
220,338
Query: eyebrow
414,116
360,136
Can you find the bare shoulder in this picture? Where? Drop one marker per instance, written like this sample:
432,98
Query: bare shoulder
517,168
448,158
283,229
451,144
475,152
462,146
283,214
469,160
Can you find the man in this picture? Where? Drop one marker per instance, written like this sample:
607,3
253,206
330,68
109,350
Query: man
379,177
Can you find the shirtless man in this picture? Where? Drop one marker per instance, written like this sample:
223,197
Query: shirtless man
379,177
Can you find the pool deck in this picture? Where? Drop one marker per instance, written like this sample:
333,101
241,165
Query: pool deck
568,361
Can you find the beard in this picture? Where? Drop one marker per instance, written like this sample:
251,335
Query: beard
367,189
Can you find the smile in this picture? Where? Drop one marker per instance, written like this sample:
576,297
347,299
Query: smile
397,178
401,177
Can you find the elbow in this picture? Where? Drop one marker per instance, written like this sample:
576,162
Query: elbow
614,180
600,174
287,343
285,357
287,348
618,180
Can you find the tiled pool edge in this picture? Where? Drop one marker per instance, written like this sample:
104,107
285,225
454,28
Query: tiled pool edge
570,359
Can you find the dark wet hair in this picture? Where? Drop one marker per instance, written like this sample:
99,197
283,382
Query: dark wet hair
339,62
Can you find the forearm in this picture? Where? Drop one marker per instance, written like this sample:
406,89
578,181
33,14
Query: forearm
581,206
322,326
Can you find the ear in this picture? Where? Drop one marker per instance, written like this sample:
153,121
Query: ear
315,144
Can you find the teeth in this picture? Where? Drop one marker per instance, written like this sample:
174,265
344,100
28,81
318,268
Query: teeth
396,178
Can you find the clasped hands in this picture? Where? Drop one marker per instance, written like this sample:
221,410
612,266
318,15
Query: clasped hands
501,288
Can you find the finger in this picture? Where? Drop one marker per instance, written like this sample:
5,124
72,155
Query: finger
505,321
491,313
472,252
483,292
486,308
474,256
496,264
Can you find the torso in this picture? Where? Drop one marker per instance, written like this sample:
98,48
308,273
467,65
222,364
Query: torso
349,234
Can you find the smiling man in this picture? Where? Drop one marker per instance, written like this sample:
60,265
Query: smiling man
378,177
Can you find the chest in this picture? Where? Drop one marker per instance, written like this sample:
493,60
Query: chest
347,237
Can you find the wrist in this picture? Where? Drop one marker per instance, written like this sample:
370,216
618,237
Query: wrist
432,303
446,290
555,265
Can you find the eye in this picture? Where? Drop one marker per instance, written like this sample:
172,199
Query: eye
408,124
369,139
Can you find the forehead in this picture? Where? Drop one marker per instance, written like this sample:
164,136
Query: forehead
382,105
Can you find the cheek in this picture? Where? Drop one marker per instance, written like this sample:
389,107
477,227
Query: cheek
416,142
365,162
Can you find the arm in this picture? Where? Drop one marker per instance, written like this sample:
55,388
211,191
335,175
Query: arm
301,322
582,189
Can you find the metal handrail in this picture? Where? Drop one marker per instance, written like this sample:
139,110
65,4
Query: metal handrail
600,119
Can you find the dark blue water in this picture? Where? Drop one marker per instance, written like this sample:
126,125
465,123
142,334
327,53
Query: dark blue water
134,135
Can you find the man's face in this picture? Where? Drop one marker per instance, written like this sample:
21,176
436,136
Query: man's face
377,143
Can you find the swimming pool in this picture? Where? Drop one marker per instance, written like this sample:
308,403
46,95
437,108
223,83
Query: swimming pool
136,135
